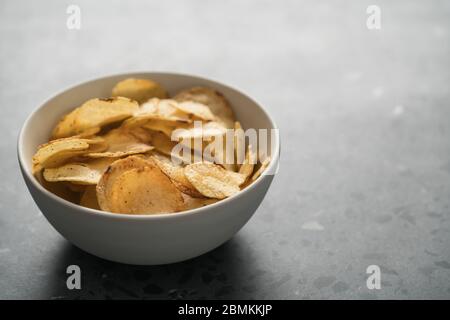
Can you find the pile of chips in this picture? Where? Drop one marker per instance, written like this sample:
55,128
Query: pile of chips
117,154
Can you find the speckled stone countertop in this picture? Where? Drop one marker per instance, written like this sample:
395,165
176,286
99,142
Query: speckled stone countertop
365,122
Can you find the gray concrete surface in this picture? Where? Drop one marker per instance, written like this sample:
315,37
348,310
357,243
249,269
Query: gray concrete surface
365,123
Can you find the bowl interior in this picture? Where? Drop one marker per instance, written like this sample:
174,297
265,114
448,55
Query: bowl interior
39,125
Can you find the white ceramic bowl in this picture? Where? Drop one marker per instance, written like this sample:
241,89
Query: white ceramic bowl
143,239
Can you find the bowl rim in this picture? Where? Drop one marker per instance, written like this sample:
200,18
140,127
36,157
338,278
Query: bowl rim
31,178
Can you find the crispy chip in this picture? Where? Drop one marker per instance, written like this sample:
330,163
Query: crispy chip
163,109
176,174
120,143
213,99
89,198
82,173
261,169
205,131
139,89
196,109
95,113
57,152
212,180
162,143
161,126
148,108
223,158
88,133
137,186
112,172
143,135
158,115
246,169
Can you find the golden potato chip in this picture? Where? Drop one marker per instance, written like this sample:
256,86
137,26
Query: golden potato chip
194,203
57,152
137,186
158,115
148,108
95,113
212,180
222,157
112,172
142,134
213,99
165,109
196,109
137,121
50,151
162,143
89,198
120,143
145,191
261,169
246,169
139,89
176,174
88,133
205,131
154,122
83,173
161,126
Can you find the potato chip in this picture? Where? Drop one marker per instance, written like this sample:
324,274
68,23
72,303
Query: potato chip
162,143
120,143
222,157
205,131
261,169
83,173
246,169
158,115
57,152
89,198
213,99
176,174
150,107
88,133
143,135
112,172
212,180
196,109
137,186
161,126
95,113
165,109
139,89
145,191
